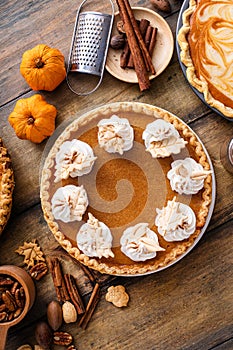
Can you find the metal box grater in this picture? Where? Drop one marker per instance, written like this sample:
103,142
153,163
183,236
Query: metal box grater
89,47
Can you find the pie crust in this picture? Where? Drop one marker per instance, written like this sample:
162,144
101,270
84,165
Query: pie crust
6,185
125,190
205,41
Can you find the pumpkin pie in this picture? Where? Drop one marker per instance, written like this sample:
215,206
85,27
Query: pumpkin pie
115,229
206,39
6,185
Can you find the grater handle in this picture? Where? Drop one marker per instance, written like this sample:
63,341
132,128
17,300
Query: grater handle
104,57
86,92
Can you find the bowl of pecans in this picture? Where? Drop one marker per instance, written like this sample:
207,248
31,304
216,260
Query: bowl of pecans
17,295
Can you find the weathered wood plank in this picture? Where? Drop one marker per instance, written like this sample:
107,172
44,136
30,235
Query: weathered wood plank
188,306
227,345
27,24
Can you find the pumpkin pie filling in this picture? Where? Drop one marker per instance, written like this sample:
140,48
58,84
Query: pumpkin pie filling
124,190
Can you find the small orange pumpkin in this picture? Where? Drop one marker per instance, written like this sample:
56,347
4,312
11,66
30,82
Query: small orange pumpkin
33,118
43,67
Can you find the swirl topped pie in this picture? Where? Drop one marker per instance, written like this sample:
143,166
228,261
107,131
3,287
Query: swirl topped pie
206,41
117,233
6,185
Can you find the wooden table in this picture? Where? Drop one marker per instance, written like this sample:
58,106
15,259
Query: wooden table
187,306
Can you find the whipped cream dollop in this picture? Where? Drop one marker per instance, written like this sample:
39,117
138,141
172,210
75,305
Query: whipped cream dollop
94,238
74,158
187,176
162,139
69,203
115,135
140,243
176,221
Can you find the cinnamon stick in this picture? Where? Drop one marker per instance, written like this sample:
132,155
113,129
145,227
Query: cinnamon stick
125,55
58,279
139,63
88,273
148,36
142,45
153,40
74,293
130,63
92,303
66,289
143,25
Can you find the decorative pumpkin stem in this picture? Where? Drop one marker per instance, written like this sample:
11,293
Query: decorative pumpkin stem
39,63
30,120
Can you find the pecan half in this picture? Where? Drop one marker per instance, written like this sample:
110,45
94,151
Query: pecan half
20,297
62,338
6,281
10,316
3,316
17,312
2,307
14,287
9,300
12,298
38,270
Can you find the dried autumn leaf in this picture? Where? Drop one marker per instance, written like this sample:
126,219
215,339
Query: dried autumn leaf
32,253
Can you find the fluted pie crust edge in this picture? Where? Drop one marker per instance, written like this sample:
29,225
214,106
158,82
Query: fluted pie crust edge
181,247
185,57
6,186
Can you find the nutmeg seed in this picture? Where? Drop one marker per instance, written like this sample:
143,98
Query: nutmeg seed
117,41
54,315
162,5
44,335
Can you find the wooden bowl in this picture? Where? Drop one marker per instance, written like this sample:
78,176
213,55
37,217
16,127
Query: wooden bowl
28,285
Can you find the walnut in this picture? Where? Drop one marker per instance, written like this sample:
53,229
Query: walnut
117,295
